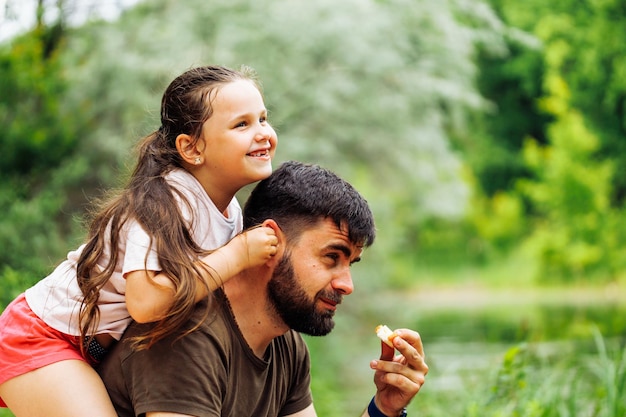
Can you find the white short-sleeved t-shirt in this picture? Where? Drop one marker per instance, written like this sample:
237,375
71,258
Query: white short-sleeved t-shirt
56,299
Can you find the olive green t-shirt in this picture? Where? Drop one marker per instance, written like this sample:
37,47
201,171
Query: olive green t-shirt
209,372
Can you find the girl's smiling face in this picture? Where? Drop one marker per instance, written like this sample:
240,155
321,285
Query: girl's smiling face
239,143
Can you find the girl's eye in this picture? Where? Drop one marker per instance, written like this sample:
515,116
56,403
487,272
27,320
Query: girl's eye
263,119
241,124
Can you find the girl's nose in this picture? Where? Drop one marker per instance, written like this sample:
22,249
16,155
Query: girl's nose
267,133
264,133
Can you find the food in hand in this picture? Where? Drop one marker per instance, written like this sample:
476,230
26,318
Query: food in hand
385,334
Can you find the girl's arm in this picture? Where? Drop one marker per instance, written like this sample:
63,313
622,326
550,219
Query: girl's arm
251,248
149,294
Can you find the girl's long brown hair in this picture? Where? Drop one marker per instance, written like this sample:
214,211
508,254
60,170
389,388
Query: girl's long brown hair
149,200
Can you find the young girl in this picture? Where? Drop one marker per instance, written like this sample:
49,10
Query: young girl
148,252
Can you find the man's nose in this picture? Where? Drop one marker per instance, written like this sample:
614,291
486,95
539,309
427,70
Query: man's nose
343,282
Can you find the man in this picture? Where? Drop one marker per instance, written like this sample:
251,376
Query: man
247,357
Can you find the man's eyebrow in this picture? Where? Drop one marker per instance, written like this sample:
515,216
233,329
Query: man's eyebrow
342,248
345,250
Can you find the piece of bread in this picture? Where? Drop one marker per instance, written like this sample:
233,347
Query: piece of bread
385,334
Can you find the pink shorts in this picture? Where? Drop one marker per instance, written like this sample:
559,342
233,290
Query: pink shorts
27,343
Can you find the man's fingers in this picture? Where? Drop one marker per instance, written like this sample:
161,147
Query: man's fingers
412,339
409,345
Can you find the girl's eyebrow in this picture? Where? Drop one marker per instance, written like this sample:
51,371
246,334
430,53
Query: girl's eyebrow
248,113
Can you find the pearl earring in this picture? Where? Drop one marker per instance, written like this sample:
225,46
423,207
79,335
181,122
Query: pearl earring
197,160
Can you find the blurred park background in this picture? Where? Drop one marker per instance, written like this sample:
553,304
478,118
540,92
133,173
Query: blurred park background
488,136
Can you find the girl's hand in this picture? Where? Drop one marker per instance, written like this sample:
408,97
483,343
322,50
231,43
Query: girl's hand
260,245
251,248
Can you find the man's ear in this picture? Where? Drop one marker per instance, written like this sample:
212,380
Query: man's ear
188,149
282,242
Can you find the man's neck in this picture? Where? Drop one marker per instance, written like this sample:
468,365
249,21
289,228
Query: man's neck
257,321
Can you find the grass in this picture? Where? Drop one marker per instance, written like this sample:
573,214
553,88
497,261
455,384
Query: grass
528,381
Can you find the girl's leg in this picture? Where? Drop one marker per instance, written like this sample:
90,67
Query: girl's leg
62,389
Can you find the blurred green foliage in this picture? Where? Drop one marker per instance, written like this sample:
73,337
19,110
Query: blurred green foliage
37,135
375,102
476,130
488,137
467,127
546,159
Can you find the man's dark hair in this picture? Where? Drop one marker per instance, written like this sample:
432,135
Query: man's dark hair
297,196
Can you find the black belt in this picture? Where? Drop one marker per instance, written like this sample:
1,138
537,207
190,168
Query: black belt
95,349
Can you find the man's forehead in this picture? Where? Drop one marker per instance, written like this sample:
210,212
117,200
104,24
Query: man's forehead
327,224
336,236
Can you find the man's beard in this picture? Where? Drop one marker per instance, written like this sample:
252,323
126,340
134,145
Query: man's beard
294,306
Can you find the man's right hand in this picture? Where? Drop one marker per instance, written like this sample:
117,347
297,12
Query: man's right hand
398,379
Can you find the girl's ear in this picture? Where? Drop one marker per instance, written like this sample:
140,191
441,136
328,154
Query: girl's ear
188,149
